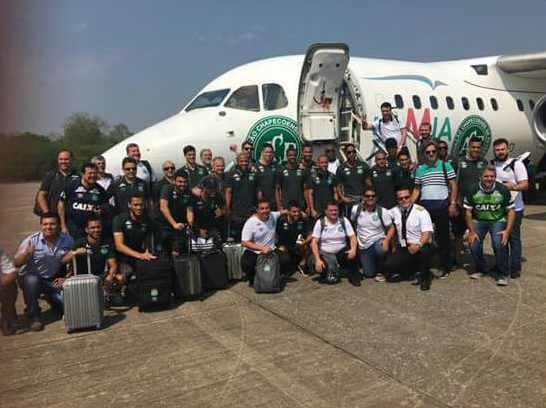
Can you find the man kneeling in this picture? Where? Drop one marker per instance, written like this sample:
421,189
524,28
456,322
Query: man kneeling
334,246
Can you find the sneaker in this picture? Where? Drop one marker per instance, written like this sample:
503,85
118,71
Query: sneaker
476,275
379,278
445,275
301,271
515,274
36,325
502,281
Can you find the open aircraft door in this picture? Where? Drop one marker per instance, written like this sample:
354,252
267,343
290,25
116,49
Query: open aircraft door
323,93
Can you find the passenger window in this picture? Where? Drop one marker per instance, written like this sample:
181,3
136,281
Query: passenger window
449,102
494,104
520,105
416,102
479,102
245,98
273,97
399,102
531,104
434,102
466,104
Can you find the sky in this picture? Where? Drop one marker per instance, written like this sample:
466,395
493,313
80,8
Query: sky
139,61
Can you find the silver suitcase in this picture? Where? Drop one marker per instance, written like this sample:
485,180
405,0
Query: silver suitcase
83,300
234,253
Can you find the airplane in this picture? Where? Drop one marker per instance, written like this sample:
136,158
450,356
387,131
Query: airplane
320,97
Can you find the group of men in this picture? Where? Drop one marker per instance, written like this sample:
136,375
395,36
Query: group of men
326,216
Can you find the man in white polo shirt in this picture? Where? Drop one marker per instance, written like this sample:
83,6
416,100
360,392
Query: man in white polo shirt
334,244
513,175
259,236
414,228
388,125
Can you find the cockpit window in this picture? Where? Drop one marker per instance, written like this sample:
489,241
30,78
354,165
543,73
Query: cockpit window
274,97
245,98
207,99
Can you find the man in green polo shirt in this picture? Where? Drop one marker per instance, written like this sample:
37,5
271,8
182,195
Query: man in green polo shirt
195,171
289,181
352,178
383,179
489,209
321,188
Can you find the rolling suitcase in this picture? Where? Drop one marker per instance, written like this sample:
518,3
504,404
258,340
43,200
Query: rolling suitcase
187,277
153,283
213,270
234,253
83,299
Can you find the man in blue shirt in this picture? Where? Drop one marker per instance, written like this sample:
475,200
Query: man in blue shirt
39,258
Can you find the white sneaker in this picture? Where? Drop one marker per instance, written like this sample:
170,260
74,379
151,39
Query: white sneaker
502,281
476,275
379,278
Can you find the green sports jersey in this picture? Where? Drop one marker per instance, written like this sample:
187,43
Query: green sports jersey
488,206
469,172
99,254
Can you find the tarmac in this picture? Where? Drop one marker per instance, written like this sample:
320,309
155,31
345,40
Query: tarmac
465,343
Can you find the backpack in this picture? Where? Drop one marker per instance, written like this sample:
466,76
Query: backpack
331,275
394,117
268,277
354,219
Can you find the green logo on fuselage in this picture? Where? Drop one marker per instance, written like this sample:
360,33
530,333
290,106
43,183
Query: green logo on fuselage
280,131
473,125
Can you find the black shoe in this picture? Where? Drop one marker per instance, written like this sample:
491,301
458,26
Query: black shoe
424,284
515,274
8,328
355,280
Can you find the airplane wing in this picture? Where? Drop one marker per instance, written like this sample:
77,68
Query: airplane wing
527,65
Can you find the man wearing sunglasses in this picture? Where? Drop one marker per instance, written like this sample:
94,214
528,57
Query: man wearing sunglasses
436,190
127,185
414,228
168,179
352,177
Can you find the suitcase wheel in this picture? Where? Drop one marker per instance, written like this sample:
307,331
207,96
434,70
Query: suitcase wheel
98,326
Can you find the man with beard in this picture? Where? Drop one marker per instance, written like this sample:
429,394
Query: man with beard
289,181
513,175
195,171
321,188
383,180
352,178
127,185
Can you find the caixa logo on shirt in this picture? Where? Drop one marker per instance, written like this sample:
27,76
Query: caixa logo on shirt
279,131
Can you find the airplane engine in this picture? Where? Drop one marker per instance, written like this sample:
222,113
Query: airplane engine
539,120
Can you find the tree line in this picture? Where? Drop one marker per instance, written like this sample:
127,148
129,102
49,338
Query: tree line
27,156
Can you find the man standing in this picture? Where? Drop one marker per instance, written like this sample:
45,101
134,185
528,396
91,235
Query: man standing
205,155
404,172
104,179
436,190
240,195
388,125
144,168
334,243
40,257
54,183
289,181
195,171
79,201
321,188
513,175
209,209
489,209
265,175
383,180
414,228
175,206
168,178
425,136
352,178
128,185
333,162
8,294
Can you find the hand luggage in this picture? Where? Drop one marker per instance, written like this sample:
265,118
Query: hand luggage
153,283
268,277
214,269
234,253
83,299
187,277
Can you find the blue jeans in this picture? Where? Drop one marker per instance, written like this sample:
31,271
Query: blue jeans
515,243
501,251
33,286
372,258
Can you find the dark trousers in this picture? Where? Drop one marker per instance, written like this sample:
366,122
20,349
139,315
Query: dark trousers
405,264
33,286
235,227
8,296
172,240
249,258
440,219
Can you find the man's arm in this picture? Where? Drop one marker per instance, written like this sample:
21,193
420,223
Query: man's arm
365,124
453,195
164,209
278,196
505,235
125,250
41,197
255,247
415,194
62,215
403,137
228,194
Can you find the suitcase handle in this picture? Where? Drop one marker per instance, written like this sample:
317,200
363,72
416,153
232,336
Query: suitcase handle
75,264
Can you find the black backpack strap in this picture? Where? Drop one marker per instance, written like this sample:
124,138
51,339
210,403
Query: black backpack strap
380,215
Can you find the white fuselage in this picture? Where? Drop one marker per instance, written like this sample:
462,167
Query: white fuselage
218,127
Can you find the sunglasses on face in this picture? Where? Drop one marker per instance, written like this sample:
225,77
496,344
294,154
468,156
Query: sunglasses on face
247,148
430,152
369,195
129,169
168,168
350,151
403,198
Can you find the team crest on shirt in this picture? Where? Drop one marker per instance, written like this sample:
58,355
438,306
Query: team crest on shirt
340,228
128,224
388,173
285,173
374,173
95,197
464,165
347,171
236,177
360,170
480,165
251,177
375,217
298,172
200,171
104,249
285,225
79,195
140,188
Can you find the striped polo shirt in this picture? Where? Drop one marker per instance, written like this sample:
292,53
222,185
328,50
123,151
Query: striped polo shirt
432,181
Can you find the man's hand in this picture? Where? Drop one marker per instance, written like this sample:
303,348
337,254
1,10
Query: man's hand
347,200
414,248
266,250
385,245
505,236
58,283
314,213
509,185
146,256
79,251
64,229
178,226
351,253
472,237
319,266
